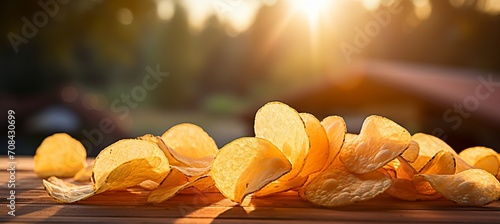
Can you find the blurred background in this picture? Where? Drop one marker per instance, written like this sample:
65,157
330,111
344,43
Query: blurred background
111,69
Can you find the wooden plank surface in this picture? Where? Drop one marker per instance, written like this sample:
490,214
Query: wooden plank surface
34,205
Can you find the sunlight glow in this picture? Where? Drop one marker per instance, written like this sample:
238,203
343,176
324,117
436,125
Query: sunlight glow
312,8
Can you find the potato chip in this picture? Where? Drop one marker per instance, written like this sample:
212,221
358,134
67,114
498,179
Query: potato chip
319,150
404,189
441,163
379,142
283,127
315,161
245,165
118,156
123,164
64,192
172,184
190,145
473,187
411,153
429,146
337,186
402,186
167,150
59,155
482,158
336,130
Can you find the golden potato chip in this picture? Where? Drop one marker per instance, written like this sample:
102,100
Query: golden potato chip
482,158
64,192
404,189
172,184
473,187
59,155
337,186
318,140
411,153
167,150
336,130
315,161
402,186
245,165
380,141
441,163
123,164
123,158
190,144
429,146
283,127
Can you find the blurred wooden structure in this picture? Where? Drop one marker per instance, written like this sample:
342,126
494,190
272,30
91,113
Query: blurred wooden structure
419,97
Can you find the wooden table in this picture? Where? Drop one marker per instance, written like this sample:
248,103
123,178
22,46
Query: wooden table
34,205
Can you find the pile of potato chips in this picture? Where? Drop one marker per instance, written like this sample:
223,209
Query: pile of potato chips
291,151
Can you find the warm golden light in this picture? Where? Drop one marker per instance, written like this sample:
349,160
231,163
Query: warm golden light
312,8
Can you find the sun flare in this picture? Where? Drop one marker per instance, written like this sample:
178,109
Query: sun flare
311,8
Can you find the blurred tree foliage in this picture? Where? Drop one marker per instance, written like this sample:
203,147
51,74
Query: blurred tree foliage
85,44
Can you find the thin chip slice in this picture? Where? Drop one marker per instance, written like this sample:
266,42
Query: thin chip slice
404,189
245,165
59,155
482,158
442,163
65,192
473,187
411,153
127,163
190,144
315,161
402,186
429,146
167,150
319,150
337,186
336,130
132,173
380,141
172,184
283,127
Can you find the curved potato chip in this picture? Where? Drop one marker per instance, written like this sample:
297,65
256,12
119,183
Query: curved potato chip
173,183
336,186
482,158
283,127
411,153
190,144
123,164
154,165
59,155
404,189
473,187
441,163
318,140
315,161
64,192
167,150
245,165
429,146
336,130
380,141
402,186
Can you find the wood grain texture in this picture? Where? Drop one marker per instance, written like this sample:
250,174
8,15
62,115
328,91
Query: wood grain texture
34,205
